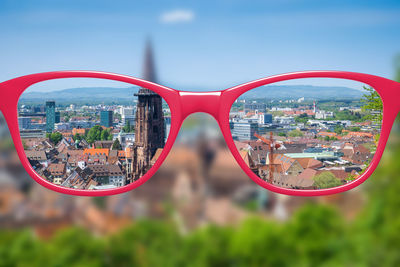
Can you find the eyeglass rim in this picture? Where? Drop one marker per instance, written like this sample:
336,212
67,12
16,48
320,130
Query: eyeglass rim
11,90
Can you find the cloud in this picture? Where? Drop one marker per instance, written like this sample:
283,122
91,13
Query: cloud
177,16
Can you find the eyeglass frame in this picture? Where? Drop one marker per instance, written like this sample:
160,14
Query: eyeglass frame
183,103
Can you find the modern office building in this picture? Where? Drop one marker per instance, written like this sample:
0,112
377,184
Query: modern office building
243,130
24,123
106,118
39,109
264,118
50,116
128,115
35,133
57,117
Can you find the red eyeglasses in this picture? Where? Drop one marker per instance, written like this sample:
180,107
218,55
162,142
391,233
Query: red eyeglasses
96,134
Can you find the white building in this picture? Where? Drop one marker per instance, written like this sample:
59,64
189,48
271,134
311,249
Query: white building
128,114
284,120
322,114
116,176
62,126
125,138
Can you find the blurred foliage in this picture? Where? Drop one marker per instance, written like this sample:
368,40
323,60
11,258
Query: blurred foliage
397,67
317,235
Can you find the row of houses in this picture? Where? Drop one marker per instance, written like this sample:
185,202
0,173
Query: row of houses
295,164
77,164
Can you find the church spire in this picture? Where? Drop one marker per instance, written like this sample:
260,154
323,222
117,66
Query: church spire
149,72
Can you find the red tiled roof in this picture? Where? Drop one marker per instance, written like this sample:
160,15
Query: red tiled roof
359,134
283,160
327,134
98,151
57,169
309,163
78,131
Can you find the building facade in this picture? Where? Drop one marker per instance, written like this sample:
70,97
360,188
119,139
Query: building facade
106,118
243,130
50,116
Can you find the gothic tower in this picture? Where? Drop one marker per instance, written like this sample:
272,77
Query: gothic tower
149,124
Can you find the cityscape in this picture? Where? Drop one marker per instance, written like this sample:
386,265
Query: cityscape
292,136
95,145
308,142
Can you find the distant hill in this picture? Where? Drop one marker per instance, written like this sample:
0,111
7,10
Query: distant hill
82,94
271,92
306,91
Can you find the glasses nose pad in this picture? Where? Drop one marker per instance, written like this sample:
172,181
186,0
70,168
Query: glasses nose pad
207,102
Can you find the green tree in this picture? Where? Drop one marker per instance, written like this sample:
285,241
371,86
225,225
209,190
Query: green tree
116,145
354,129
94,134
104,135
302,118
55,137
338,129
128,128
77,137
347,115
295,133
372,104
326,180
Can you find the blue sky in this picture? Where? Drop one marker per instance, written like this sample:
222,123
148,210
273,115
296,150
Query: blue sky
199,45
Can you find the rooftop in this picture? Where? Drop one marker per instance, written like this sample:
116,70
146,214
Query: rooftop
311,155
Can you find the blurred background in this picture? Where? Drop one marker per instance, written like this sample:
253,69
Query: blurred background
170,220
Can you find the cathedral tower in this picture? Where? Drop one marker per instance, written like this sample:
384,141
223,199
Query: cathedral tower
149,124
